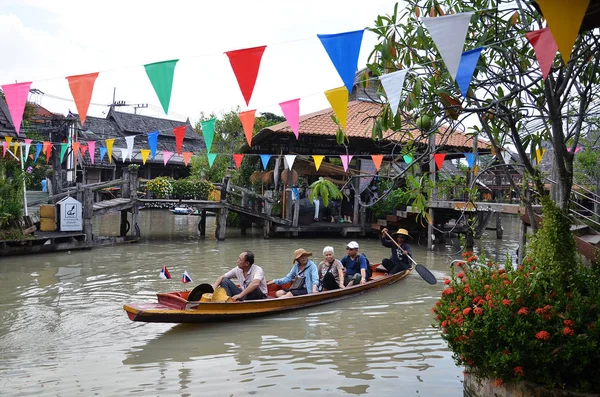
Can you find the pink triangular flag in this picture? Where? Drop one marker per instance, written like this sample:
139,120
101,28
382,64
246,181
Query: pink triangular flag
377,159
247,119
545,48
4,148
166,156
291,111
439,159
238,160
346,159
16,98
92,148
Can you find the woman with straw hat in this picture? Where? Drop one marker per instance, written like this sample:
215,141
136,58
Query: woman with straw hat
303,274
399,260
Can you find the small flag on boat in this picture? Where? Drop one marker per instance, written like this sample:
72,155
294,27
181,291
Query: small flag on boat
186,277
164,273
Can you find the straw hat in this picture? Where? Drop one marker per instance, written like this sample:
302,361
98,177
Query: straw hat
403,232
301,252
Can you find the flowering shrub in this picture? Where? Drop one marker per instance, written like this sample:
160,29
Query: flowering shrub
192,188
160,186
539,322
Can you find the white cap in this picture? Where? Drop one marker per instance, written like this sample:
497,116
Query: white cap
352,244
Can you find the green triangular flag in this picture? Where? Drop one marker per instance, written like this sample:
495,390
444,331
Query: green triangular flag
208,132
211,158
63,150
161,77
407,158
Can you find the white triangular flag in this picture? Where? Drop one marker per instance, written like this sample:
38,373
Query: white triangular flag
129,140
124,154
449,33
393,84
289,160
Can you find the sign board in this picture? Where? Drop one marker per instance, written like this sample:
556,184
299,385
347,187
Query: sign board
70,215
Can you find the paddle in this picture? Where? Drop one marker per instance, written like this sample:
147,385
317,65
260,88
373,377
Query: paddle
422,270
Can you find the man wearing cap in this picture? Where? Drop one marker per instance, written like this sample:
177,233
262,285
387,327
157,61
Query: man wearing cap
304,275
399,260
250,276
355,264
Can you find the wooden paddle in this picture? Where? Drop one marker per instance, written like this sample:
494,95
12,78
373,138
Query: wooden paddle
422,270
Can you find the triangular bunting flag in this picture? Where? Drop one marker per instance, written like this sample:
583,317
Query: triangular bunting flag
124,154
92,149
407,158
291,111
38,150
75,146
449,33
145,153
166,156
343,50
238,160
179,135
545,48
47,150
81,88
245,64
211,158
346,159
289,160
9,140
63,150
84,149
161,76
439,159
153,143
27,147
470,157
103,151
247,119
164,273
338,99
186,278
264,158
468,62
16,98
186,157
539,154
392,84
4,148
15,147
208,132
109,147
129,140
318,159
564,20
377,159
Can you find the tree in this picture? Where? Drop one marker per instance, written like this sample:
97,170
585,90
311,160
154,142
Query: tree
511,102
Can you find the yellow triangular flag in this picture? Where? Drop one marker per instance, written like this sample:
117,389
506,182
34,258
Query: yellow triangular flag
318,159
8,140
564,20
145,153
338,98
15,147
539,153
109,145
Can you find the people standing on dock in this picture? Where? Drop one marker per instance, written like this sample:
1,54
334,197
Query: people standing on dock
251,278
401,250
355,264
304,275
331,271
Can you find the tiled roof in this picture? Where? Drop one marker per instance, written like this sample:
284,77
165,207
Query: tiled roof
6,125
139,124
361,115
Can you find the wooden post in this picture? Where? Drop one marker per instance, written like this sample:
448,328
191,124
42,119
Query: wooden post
202,223
296,216
79,192
88,213
363,221
355,184
221,224
268,209
125,188
499,229
133,181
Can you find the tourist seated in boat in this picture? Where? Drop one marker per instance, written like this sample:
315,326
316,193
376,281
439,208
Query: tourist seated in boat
250,277
304,275
355,264
331,271
401,250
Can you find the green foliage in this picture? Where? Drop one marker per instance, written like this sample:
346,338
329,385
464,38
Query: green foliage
587,168
324,189
451,187
200,167
11,193
192,188
160,187
34,174
392,201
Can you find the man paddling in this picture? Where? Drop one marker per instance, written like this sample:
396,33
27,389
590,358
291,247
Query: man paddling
401,251
251,278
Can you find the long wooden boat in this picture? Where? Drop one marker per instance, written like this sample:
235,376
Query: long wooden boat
173,307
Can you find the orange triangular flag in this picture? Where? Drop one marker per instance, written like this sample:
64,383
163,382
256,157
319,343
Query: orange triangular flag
247,119
318,159
81,88
84,149
439,159
186,157
75,146
377,158
47,150
238,160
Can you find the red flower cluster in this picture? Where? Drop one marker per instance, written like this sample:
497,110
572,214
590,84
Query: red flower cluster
568,323
568,331
448,291
447,281
506,302
478,311
523,311
519,371
467,311
543,335
472,258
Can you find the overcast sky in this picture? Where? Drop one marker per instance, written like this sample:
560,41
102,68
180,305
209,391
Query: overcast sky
45,41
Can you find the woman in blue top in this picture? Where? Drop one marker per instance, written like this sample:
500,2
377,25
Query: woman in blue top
304,274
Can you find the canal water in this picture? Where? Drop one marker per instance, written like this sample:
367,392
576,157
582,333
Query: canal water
63,331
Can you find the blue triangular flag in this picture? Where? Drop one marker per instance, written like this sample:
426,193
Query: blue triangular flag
343,50
466,67
470,159
38,150
265,160
153,142
103,151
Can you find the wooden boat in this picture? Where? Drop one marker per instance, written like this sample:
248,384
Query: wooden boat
173,307
182,211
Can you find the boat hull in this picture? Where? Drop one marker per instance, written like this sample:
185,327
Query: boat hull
174,308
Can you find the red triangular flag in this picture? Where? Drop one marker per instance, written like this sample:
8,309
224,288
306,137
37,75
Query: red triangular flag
247,119
377,158
245,64
179,135
439,159
81,88
238,160
47,150
84,149
545,48
75,146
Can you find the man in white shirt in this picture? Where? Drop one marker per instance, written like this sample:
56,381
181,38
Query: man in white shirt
251,278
